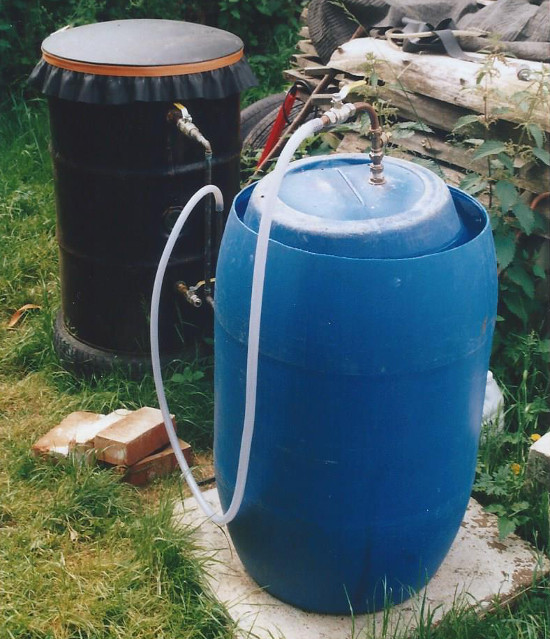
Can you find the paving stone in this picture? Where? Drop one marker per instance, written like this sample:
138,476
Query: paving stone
478,569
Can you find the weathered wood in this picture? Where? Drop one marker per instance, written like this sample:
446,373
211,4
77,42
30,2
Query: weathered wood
434,113
305,60
294,74
434,102
419,108
443,78
306,46
449,174
430,146
319,71
531,178
534,178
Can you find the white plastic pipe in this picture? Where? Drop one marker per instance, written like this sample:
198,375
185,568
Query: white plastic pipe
258,277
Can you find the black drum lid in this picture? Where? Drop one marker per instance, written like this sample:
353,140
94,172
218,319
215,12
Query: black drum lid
103,64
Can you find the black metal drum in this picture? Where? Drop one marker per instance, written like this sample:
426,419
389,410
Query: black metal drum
123,171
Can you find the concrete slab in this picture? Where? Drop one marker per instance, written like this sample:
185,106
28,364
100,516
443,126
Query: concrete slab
478,569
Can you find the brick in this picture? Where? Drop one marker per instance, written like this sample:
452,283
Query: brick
538,463
158,465
132,438
60,438
85,436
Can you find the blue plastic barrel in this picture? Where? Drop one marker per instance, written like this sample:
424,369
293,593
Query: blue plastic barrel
378,314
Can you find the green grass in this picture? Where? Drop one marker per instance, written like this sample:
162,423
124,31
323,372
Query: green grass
83,555
527,618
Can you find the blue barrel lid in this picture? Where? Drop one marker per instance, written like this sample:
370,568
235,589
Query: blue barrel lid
327,205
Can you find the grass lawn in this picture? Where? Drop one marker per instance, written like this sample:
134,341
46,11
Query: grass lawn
83,555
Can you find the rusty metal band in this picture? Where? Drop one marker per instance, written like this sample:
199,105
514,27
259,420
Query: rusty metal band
142,71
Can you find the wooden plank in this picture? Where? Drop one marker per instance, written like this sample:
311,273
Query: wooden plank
304,60
419,108
443,78
295,74
531,178
449,174
318,71
535,178
438,114
430,146
306,46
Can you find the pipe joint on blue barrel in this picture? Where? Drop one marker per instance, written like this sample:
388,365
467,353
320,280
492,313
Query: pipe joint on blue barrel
378,314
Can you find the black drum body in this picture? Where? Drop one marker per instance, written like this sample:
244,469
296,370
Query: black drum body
122,174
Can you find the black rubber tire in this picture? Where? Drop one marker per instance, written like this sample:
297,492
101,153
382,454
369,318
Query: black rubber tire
86,360
257,111
257,137
330,26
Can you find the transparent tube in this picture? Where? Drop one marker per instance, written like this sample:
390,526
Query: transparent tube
154,336
258,277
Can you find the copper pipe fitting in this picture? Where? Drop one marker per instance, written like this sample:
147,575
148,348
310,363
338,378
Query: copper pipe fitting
377,143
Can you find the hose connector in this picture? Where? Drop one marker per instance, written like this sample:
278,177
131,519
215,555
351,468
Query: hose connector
185,125
339,114
190,294
376,156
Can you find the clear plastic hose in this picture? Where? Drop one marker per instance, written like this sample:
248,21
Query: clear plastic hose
258,277
154,336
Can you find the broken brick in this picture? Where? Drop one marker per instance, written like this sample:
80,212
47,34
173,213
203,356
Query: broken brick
85,436
60,438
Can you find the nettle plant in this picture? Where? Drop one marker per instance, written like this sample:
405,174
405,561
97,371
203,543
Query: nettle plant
520,232
505,158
